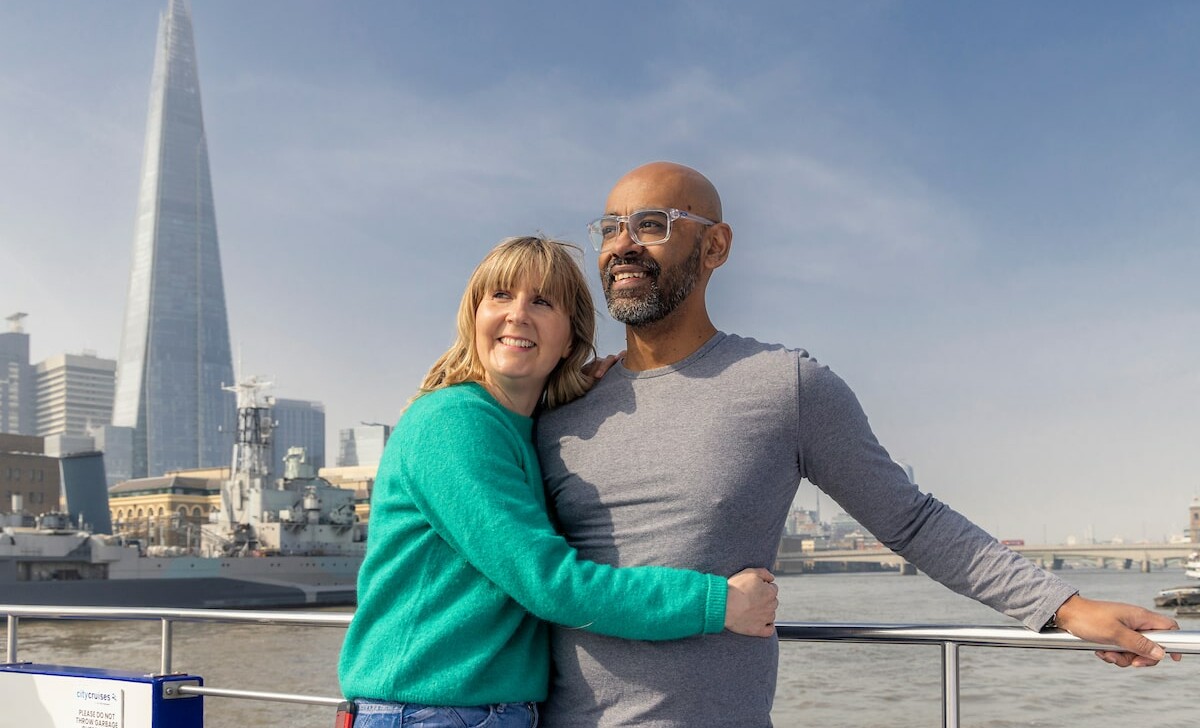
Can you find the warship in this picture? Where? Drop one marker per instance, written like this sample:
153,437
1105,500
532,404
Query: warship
273,542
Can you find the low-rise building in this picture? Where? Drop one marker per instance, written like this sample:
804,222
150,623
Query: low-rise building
167,510
30,475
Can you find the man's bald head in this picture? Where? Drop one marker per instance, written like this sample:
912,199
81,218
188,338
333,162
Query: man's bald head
666,184
647,284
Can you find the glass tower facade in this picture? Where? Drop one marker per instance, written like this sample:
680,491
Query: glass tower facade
362,446
298,423
18,393
175,353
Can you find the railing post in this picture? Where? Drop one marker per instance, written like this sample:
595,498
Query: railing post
164,667
10,650
950,685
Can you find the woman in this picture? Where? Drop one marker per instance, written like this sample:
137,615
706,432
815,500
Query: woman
462,561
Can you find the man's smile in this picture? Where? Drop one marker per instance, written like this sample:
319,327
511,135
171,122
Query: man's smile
622,276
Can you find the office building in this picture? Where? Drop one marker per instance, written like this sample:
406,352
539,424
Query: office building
298,423
175,355
363,445
74,394
18,389
117,445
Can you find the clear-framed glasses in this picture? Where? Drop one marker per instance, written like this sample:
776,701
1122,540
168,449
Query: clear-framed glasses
646,227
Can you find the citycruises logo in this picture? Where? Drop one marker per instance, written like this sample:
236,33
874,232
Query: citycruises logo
95,697
98,709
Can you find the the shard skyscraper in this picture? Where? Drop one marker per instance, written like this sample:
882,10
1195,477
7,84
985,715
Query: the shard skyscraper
175,353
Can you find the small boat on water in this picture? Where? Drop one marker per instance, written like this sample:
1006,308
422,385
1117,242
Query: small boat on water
1191,568
1185,598
1178,596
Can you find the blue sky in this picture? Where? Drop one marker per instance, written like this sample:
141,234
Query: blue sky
984,217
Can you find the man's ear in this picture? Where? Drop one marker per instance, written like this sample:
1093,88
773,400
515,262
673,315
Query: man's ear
718,240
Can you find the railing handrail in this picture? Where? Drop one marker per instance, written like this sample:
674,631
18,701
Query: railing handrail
280,617
972,635
1185,642
948,636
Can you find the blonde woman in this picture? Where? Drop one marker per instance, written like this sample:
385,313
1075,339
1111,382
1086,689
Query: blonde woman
463,564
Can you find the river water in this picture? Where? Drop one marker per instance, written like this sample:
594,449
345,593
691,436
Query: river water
825,685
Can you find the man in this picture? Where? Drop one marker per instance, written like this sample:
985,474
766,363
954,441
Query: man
689,453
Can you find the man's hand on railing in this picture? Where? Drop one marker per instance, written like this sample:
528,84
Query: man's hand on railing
1115,623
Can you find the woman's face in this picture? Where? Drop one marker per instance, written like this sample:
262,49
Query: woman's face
520,336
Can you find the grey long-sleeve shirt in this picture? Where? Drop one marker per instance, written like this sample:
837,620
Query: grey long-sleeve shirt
695,465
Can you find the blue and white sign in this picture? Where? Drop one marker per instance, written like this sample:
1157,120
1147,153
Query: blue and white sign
55,696
97,704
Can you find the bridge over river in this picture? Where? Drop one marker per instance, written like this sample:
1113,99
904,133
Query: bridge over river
1146,556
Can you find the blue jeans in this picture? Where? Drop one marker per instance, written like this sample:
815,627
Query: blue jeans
376,714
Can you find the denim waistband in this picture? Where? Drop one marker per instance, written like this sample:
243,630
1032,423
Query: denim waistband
384,707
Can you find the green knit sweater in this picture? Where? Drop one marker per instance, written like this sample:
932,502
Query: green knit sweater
463,565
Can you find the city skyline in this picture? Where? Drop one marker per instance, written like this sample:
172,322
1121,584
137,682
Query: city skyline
982,217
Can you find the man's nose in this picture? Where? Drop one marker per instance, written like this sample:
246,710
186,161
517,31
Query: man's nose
622,245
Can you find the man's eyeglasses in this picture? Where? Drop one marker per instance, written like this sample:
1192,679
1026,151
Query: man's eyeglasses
646,227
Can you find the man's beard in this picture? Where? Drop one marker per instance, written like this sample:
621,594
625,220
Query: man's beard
667,290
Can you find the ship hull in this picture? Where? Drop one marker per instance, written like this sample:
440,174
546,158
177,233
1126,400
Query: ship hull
202,583
172,593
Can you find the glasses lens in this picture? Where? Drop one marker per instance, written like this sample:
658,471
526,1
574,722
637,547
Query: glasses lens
649,227
600,230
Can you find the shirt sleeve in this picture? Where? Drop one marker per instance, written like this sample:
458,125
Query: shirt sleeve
840,454
464,469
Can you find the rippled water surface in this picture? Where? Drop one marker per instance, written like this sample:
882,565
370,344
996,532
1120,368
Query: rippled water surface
820,684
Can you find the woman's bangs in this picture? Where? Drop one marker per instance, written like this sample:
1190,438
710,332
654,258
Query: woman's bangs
525,265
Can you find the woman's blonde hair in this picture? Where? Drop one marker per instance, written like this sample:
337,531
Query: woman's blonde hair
551,268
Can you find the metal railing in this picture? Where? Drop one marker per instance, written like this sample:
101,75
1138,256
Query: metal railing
949,637
167,618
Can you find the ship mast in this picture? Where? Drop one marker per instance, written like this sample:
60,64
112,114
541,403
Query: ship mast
242,493
300,514
252,442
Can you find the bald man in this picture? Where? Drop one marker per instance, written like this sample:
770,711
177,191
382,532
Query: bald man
689,452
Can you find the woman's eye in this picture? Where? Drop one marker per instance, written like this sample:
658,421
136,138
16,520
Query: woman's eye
501,294
543,302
